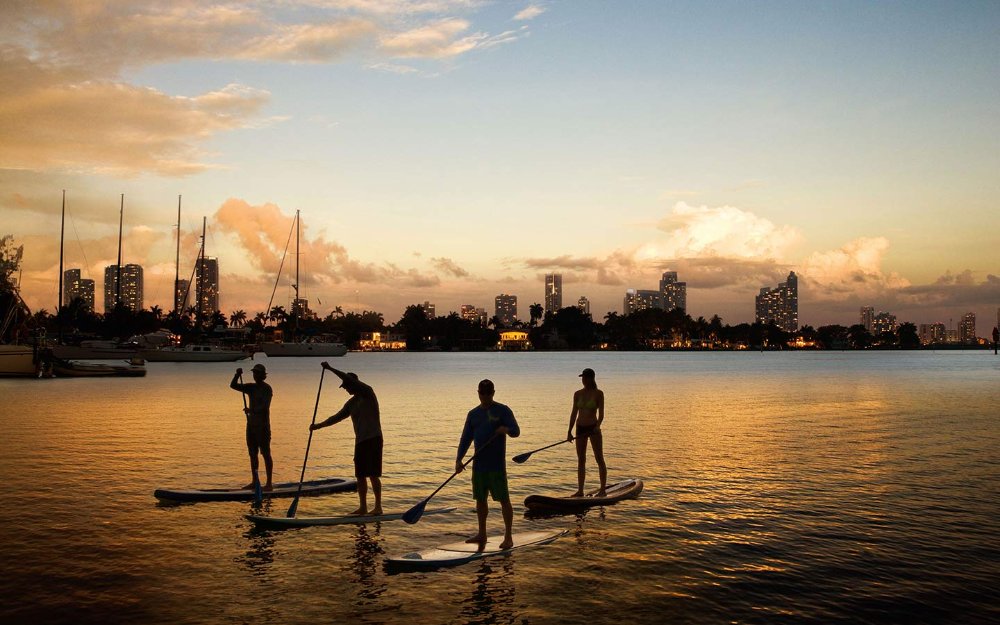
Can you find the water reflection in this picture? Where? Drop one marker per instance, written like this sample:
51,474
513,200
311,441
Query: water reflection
260,551
493,594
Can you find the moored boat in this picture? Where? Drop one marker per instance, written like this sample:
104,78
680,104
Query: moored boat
193,353
18,360
306,348
134,368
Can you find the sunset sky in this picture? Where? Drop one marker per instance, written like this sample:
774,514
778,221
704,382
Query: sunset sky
451,150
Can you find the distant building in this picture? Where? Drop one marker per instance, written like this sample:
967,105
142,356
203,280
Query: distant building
430,311
300,308
867,318
131,287
583,304
674,293
780,305
75,287
513,341
932,333
506,309
641,299
884,323
181,294
468,312
553,292
207,285
967,329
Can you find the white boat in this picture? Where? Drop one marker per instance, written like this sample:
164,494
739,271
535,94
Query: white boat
78,369
18,360
193,353
303,349
95,350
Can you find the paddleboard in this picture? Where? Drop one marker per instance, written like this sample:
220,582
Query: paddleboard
626,489
459,553
286,489
278,522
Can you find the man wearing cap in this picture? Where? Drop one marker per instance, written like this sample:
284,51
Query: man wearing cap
363,410
489,424
258,414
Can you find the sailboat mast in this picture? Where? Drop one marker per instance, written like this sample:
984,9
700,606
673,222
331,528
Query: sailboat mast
118,277
62,233
200,290
296,305
177,261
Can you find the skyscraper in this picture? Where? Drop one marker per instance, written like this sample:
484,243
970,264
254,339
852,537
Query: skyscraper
884,323
131,287
867,317
967,328
553,292
181,295
207,285
674,293
583,304
430,310
641,299
506,309
780,305
71,285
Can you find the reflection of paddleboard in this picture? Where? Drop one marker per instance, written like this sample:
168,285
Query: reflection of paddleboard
460,553
280,522
627,489
287,489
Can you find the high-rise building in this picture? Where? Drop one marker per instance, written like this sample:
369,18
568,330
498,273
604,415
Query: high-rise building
583,304
932,333
967,328
884,323
131,287
207,285
867,317
181,294
430,311
506,309
468,312
553,292
780,305
674,293
300,308
86,292
75,287
641,299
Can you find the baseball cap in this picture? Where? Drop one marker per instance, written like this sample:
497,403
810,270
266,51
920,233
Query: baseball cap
587,373
259,367
353,378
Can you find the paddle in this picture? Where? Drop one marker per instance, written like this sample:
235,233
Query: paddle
520,458
413,515
258,494
295,502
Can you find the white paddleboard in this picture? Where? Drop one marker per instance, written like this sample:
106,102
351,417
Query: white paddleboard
279,522
462,552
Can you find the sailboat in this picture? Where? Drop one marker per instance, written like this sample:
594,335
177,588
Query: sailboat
307,347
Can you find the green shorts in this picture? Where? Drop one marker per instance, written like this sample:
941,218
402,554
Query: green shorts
492,482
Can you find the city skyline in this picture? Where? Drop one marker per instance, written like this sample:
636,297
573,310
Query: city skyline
451,151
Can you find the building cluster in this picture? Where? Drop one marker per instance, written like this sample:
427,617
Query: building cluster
780,305
671,295
124,284
881,323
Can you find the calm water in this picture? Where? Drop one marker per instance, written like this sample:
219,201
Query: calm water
805,487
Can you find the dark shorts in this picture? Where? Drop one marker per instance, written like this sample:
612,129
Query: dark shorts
368,458
492,483
586,431
258,436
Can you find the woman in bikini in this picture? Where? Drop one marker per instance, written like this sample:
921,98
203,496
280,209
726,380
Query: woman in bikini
588,414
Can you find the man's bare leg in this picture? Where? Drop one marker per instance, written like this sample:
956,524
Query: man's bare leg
362,497
482,510
377,491
508,522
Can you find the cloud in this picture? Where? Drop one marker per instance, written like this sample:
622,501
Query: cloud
854,269
433,41
529,13
448,266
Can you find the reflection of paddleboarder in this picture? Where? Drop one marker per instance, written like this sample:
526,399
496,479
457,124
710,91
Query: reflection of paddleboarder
258,421
489,424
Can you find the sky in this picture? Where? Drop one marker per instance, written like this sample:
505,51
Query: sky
452,150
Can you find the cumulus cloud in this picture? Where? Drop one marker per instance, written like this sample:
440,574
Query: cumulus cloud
854,269
448,266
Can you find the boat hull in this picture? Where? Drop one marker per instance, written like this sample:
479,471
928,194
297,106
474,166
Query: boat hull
73,369
18,361
278,350
193,353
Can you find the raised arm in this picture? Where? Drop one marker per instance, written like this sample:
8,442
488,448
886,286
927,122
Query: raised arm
342,414
235,384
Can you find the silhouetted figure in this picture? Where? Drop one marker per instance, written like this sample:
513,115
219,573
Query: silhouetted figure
588,414
363,410
258,414
489,424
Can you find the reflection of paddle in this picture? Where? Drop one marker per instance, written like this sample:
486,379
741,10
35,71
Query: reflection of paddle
295,502
412,515
520,458
258,495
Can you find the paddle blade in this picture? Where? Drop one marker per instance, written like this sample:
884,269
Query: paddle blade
292,508
413,515
520,458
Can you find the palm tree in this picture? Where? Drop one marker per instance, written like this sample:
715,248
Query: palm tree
238,318
536,311
157,313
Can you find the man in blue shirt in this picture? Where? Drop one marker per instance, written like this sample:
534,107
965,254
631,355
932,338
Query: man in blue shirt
489,424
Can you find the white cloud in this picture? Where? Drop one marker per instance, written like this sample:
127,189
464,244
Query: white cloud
854,269
529,13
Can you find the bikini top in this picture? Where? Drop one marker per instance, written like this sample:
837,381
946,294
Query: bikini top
589,403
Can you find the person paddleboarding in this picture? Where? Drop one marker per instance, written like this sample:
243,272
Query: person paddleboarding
258,414
488,425
363,410
588,415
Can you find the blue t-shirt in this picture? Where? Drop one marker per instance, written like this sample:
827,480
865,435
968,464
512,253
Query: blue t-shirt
479,427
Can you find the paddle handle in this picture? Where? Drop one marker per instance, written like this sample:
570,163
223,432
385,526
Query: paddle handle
302,476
